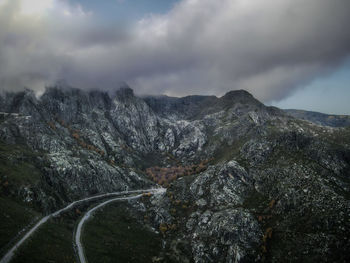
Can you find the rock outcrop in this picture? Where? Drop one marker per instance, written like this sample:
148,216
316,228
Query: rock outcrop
272,188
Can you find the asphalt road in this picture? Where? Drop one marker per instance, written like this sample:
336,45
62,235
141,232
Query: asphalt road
9,255
78,232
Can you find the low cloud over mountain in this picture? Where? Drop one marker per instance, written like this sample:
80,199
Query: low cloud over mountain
208,47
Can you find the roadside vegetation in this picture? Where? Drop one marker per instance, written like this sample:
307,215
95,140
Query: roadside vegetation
113,235
17,174
51,243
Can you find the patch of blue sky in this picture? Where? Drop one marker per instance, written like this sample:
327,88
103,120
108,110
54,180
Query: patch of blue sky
329,94
126,10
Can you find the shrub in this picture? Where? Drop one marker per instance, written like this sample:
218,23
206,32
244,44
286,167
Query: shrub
52,125
76,135
163,228
165,175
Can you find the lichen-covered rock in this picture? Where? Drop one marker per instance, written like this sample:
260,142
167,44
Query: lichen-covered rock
276,188
229,235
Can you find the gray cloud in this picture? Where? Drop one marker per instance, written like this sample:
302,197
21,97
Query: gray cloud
270,47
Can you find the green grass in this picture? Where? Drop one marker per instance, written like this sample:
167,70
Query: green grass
17,165
17,170
53,242
114,236
228,152
256,201
13,218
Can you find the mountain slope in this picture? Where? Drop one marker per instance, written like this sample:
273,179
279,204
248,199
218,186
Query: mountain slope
245,181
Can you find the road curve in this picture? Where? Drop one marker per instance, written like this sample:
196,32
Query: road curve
8,256
78,243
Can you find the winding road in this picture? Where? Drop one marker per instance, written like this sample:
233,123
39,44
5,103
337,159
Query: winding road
9,255
78,243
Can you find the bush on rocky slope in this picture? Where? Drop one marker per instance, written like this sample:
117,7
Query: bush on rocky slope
277,188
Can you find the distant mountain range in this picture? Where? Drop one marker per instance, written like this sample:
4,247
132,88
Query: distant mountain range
321,118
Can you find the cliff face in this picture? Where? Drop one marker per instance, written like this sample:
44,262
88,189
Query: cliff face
245,181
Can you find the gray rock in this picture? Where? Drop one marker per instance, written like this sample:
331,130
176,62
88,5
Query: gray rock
276,189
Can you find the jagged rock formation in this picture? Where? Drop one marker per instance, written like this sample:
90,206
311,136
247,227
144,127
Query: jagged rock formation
276,188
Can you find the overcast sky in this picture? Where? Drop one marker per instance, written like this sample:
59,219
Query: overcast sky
289,53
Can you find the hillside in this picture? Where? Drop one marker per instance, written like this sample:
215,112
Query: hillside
245,182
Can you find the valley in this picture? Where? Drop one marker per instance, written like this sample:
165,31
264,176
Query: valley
244,182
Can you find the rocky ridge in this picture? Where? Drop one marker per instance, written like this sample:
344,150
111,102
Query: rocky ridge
276,188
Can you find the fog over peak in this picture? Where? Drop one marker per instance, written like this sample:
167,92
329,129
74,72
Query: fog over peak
269,48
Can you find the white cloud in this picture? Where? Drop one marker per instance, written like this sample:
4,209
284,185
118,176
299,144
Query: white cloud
209,46
35,8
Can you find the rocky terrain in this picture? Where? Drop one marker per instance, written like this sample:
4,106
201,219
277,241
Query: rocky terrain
245,182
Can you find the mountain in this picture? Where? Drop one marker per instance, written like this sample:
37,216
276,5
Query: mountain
245,182
321,118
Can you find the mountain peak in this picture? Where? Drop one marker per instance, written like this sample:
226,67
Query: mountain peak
238,94
124,92
229,162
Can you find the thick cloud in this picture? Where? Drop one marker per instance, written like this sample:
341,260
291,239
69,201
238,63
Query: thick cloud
201,46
